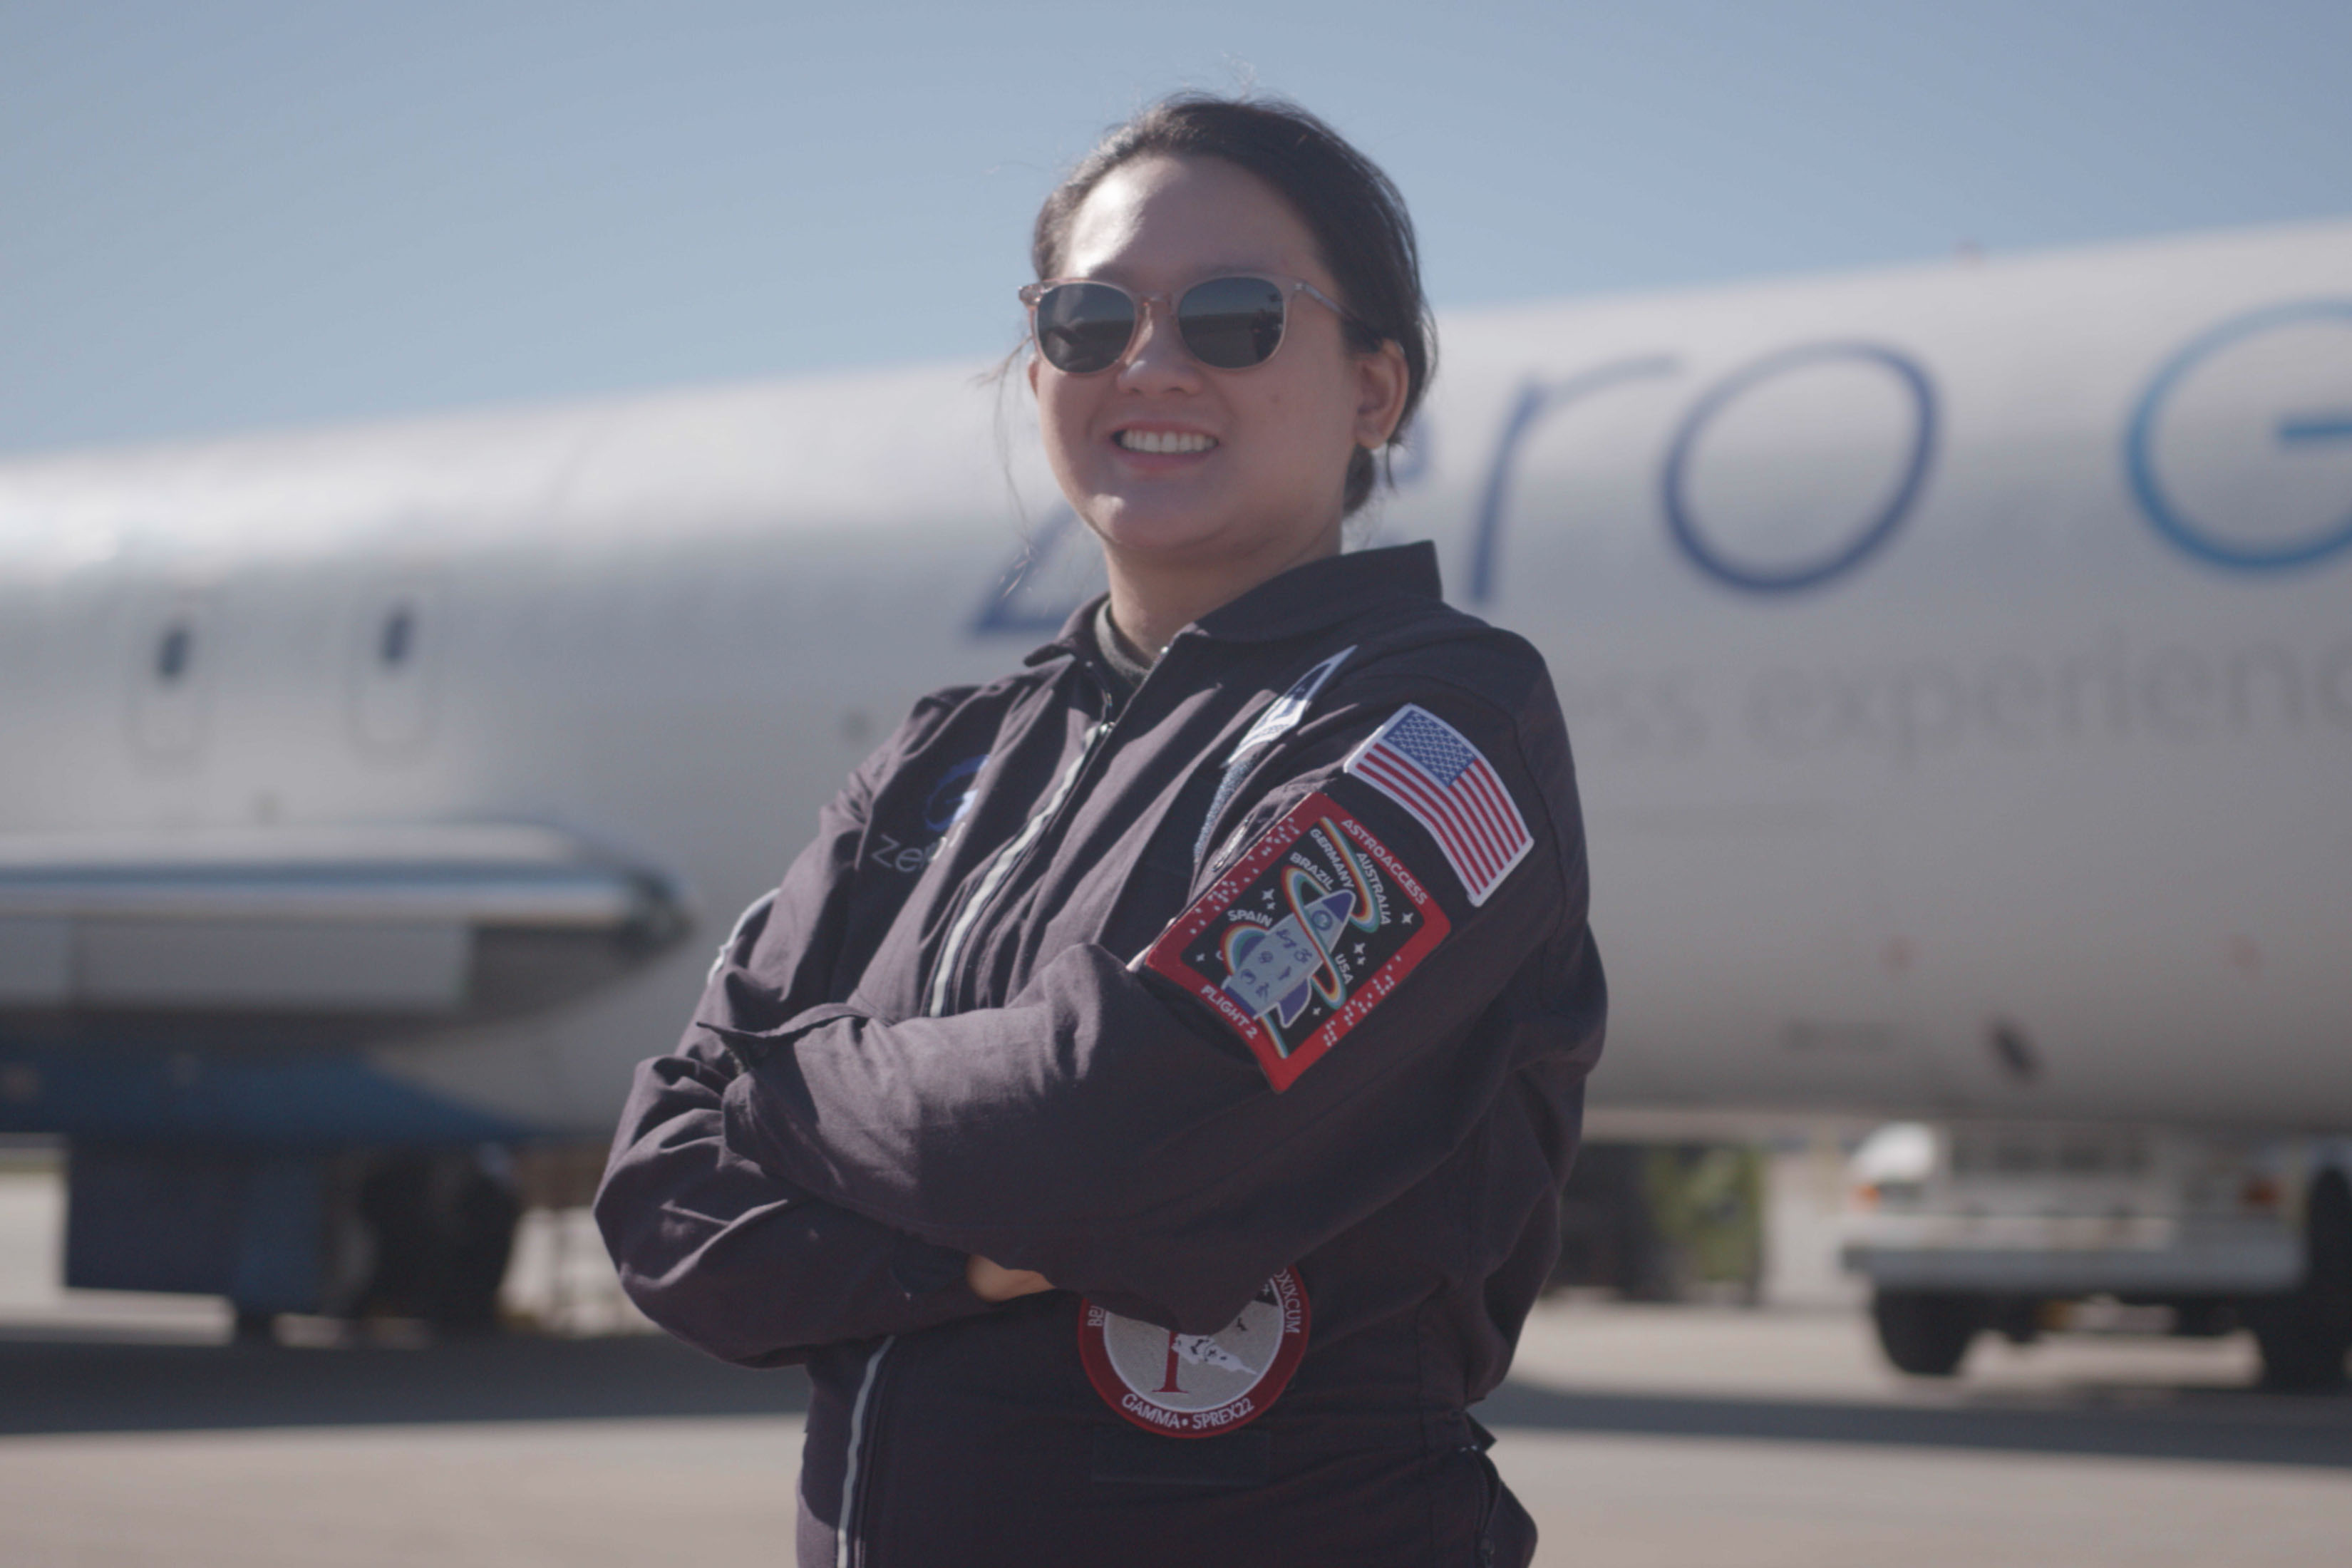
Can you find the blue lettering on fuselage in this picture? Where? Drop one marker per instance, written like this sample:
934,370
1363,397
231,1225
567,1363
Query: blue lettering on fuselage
2297,432
1033,596
1865,539
1536,399
1028,602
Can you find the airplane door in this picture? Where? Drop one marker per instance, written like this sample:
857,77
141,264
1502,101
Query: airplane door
394,652
172,654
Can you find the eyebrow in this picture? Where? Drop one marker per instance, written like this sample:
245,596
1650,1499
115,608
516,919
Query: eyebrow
1218,270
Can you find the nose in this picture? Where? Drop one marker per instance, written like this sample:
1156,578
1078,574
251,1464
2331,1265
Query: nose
1158,361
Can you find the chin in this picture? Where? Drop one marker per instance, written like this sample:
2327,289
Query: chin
1168,533
1163,531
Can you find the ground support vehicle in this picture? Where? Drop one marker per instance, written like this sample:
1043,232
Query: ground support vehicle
2022,1229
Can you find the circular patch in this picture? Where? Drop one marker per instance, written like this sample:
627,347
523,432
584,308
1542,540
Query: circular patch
1197,1385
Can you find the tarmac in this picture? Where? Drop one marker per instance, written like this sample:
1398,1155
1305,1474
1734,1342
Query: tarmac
132,1433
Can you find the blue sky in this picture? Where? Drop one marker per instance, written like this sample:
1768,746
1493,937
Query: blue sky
218,216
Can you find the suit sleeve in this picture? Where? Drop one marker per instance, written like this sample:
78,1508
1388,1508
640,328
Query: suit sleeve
1114,1128
734,1259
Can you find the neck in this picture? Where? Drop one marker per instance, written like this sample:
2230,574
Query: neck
1151,601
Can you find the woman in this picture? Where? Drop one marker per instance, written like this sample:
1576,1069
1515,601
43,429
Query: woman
1157,1174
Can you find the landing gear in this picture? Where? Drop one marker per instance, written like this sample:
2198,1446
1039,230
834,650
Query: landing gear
2306,1333
1926,1332
439,1227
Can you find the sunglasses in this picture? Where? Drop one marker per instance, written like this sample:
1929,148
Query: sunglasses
1083,327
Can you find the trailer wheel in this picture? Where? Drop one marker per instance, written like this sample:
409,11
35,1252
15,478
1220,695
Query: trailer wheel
1926,1332
2306,1333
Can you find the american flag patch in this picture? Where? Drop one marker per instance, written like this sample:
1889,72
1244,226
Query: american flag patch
1422,764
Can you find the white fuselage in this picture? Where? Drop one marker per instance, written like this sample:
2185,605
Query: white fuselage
1958,660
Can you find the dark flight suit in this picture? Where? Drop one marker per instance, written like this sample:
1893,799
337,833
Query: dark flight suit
1236,1007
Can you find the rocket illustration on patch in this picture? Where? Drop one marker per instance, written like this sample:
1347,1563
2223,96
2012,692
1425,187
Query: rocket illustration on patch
1273,969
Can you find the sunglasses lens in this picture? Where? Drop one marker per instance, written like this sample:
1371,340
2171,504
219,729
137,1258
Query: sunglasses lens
1232,323
1083,327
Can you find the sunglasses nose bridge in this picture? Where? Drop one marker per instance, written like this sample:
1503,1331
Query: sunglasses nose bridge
1155,337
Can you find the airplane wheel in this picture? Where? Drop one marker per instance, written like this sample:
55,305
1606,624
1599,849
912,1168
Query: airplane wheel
2306,1333
1926,1332
443,1228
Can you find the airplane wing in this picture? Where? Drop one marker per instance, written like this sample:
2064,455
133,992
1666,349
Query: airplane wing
367,928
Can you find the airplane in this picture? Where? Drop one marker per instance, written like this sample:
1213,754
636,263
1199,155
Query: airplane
1958,659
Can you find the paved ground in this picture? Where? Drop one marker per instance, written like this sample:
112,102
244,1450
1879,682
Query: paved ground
1659,1435
129,1435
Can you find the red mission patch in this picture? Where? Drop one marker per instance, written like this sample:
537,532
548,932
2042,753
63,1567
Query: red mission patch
1302,937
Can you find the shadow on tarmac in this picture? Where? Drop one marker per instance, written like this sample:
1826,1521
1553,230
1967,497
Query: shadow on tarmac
2135,1423
81,1385
54,1386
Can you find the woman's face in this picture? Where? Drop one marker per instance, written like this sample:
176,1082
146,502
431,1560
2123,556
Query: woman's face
1267,490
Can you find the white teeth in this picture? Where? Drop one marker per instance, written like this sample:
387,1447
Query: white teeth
1164,441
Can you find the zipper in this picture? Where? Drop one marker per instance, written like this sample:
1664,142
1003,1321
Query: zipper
844,1554
1491,1481
1000,870
845,1533
991,881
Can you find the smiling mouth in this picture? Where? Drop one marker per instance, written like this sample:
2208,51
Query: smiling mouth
1163,442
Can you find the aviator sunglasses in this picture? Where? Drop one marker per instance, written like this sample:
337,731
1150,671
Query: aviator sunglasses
1083,327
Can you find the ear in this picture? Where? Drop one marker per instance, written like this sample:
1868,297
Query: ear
1033,373
1382,383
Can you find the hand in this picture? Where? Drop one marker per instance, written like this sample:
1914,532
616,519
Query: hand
994,1282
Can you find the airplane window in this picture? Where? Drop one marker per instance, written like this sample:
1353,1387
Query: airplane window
399,632
172,653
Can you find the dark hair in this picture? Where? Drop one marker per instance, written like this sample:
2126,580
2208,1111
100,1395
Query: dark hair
1355,213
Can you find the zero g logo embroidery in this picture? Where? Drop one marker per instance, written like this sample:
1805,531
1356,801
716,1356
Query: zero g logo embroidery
1302,937
951,796
943,811
1197,1385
